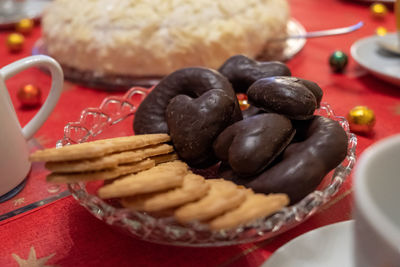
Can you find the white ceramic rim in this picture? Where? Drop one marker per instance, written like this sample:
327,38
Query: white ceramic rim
363,201
343,228
354,51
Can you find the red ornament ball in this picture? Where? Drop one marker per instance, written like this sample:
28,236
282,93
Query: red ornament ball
243,102
29,96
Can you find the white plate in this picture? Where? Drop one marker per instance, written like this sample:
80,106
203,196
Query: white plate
293,46
371,56
328,246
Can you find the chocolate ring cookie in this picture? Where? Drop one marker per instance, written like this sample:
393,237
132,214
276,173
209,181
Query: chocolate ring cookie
242,71
303,164
293,97
150,116
252,144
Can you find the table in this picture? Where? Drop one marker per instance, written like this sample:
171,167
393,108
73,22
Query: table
63,233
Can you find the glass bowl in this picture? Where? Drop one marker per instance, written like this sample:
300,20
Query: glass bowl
114,117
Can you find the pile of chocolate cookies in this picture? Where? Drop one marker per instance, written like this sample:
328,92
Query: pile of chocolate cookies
277,145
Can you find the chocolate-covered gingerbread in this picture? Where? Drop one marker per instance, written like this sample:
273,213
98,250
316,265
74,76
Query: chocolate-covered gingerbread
293,97
242,71
303,164
250,145
150,116
195,123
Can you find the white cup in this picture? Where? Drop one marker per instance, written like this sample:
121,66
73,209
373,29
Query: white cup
14,163
377,205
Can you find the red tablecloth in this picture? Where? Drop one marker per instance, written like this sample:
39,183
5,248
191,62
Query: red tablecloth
64,234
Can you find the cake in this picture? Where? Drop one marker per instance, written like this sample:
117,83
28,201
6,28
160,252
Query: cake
153,38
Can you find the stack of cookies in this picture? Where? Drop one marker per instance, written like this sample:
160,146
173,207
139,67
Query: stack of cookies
105,159
145,174
190,197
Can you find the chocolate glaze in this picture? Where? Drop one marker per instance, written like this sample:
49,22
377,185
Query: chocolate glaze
150,116
314,88
251,111
302,165
252,144
242,71
289,96
195,123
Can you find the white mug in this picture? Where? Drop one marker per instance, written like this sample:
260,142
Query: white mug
377,205
14,153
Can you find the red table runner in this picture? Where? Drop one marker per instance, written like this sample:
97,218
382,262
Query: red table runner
63,233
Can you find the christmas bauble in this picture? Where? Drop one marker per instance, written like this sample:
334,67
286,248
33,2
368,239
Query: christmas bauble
15,42
24,26
361,119
338,61
29,96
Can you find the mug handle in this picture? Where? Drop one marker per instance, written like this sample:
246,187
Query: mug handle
57,79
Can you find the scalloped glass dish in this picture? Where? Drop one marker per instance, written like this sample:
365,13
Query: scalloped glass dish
114,118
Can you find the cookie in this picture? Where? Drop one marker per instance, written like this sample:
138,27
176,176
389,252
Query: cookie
321,144
106,174
255,206
194,124
84,165
289,96
108,161
165,158
250,145
222,197
150,117
161,177
193,187
242,71
140,154
98,148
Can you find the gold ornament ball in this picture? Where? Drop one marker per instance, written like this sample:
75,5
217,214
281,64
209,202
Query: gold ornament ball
24,26
381,31
361,119
29,96
15,42
378,10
